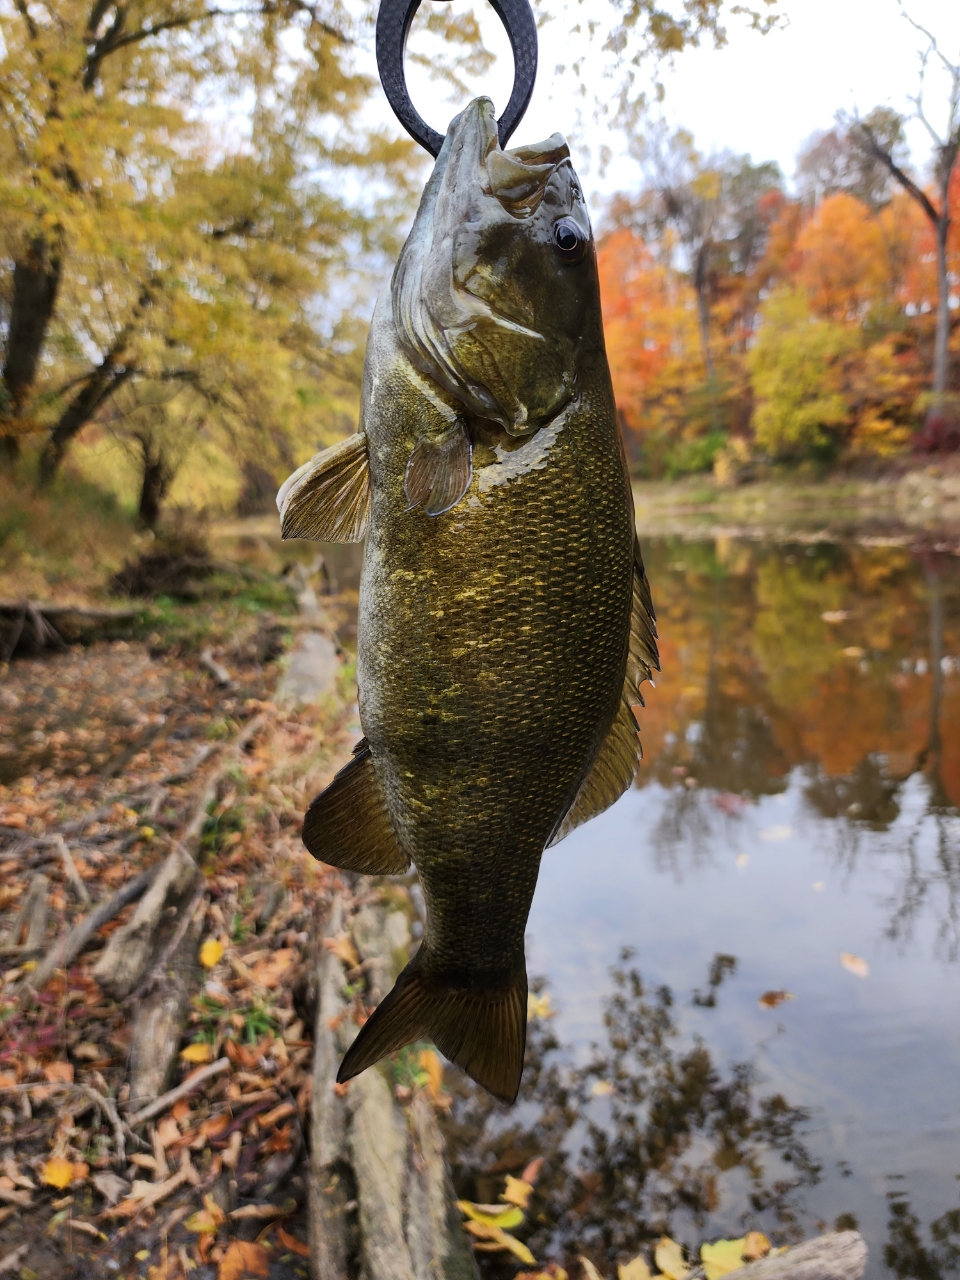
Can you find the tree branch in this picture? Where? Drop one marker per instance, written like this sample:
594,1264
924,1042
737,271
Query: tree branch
880,153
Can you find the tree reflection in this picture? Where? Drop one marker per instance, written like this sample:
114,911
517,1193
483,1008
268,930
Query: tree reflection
908,1255
669,1140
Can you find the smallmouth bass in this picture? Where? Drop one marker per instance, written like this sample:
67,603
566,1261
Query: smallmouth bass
505,619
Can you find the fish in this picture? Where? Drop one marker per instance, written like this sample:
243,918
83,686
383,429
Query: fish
505,620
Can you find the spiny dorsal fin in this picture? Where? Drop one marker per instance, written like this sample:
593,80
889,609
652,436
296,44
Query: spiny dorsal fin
439,471
348,824
616,764
328,498
482,1031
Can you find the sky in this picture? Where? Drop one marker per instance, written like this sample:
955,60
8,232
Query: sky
760,95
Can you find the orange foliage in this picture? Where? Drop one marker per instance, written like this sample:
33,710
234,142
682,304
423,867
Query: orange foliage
844,264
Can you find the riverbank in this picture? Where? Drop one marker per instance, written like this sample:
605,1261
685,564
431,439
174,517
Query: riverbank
920,508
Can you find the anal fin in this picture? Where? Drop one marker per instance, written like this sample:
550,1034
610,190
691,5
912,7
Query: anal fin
328,498
615,766
348,825
439,471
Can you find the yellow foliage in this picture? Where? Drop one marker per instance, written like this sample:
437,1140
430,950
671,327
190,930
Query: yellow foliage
197,1053
57,1173
669,1258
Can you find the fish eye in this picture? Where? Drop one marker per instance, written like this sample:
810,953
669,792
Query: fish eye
570,240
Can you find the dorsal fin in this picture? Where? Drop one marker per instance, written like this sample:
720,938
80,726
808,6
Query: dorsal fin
328,498
348,824
616,764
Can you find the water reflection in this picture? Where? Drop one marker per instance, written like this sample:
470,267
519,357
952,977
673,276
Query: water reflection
798,799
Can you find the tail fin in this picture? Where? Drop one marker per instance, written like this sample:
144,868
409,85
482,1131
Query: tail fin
484,1032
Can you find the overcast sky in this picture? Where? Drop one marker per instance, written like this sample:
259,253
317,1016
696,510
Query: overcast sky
760,95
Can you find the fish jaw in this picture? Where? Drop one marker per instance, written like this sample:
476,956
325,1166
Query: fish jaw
482,301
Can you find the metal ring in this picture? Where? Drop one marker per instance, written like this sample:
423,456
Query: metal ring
393,27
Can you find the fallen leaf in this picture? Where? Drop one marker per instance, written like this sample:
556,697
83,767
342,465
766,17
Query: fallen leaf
517,1192
431,1064
854,964
722,1257
292,1243
211,953
636,1269
590,1272
343,949
7,1079
550,1272
57,1173
492,1239
269,971
87,1050
200,1052
669,1258
200,1222
491,1215
756,1245
539,1006
770,999
774,834
110,1186
168,1131
58,1072
244,1258
81,1170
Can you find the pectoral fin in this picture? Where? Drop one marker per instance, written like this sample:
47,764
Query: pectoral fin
328,498
438,473
348,824
616,764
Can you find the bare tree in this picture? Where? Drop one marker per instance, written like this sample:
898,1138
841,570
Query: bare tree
946,146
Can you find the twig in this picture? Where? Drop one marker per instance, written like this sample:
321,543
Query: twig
95,1098
166,1100
73,875
13,1260
66,949
222,676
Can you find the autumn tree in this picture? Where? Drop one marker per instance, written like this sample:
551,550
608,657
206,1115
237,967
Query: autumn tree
832,161
946,146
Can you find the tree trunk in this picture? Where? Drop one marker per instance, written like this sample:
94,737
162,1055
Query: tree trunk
157,475
36,282
941,349
101,384
703,308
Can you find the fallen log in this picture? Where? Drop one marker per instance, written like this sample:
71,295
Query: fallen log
380,1195
839,1255
31,626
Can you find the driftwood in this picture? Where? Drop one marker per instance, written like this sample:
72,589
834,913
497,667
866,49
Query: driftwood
379,1191
66,949
839,1255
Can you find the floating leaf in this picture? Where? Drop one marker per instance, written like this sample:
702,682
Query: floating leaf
854,964
771,999
539,1006
491,1216
601,1088
669,1258
200,1052
756,1245
292,1243
211,953
590,1272
517,1192
57,1173
774,834
244,1258
722,1257
636,1269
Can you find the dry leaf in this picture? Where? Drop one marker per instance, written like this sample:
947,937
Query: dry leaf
491,1215
770,999
57,1173
722,1257
211,953
431,1064
590,1272
110,1186
532,1172
58,1072
755,1245
517,1192
244,1258
168,1131
494,1239
635,1269
669,1258
854,964
200,1222
269,971
196,1053
292,1243
343,949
